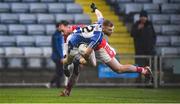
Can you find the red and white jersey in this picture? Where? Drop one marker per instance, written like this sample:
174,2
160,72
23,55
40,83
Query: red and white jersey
105,52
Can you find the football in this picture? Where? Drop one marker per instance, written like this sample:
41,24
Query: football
82,48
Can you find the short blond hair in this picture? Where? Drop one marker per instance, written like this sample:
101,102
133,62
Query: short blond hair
108,23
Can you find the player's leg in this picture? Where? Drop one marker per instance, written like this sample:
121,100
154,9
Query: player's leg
67,66
107,55
71,52
92,59
73,78
72,81
117,67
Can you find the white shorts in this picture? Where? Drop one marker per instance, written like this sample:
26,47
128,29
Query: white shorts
105,54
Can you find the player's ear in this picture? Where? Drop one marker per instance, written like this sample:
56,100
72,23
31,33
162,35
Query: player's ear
103,28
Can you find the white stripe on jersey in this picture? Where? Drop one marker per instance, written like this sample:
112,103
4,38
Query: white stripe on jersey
88,31
91,45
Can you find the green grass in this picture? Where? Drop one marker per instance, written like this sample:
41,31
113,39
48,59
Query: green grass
90,95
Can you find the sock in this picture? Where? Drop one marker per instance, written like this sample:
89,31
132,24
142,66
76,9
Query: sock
72,81
69,86
140,69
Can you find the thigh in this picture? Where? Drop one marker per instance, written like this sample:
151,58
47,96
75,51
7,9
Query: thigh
72,52
102,55
114,64
92,59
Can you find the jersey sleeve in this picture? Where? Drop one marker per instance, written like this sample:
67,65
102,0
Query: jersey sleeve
96,39
100,20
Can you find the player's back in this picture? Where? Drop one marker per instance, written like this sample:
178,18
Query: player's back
87,34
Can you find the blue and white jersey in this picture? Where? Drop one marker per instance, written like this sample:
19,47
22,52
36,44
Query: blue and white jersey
91,35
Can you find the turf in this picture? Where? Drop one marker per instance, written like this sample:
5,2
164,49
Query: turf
90,95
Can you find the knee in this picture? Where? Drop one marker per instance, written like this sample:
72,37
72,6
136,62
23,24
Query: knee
118,70
76,70
94,64
76,62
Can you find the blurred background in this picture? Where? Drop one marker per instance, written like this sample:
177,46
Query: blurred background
26,27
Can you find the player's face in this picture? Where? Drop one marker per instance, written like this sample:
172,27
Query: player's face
64,29
69,30
108,30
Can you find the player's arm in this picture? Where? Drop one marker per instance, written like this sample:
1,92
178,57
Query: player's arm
87,52
94,41
98,13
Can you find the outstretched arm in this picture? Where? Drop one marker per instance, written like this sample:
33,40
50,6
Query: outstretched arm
97,12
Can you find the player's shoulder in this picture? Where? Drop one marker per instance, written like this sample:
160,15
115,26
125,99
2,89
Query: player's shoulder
97,27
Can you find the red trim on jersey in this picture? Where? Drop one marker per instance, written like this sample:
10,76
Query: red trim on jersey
109,51
106,46
72,28
101,45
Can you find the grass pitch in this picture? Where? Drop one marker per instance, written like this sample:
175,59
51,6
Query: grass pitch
90,95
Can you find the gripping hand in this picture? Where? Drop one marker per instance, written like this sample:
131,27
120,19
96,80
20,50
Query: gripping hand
93,7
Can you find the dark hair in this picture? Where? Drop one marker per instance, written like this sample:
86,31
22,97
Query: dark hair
108,23
63,22
143,14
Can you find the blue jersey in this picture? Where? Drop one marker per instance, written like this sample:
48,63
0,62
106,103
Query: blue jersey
91,35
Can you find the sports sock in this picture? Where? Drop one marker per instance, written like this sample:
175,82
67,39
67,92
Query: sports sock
140,69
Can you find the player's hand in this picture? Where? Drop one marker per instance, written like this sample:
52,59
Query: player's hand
64,61
93,7
82,60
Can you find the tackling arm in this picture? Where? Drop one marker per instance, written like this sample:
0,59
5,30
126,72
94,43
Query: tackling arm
97,12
